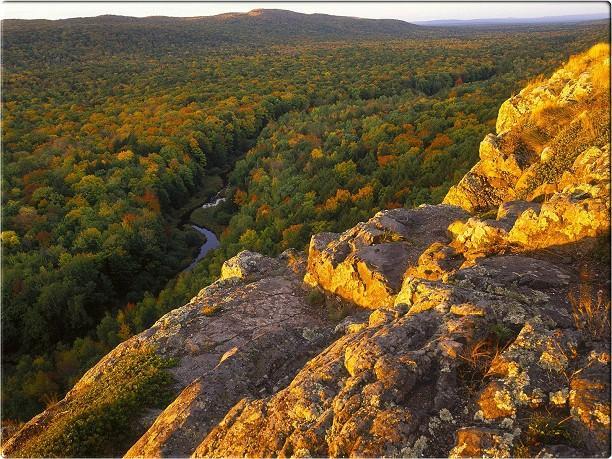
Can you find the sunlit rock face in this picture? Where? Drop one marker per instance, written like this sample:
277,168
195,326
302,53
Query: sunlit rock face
540,132
479,327
248,265
573,209
478,351
366,264
400,382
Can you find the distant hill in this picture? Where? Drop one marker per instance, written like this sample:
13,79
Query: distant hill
89,39
513,21
286,22
167,36
264,24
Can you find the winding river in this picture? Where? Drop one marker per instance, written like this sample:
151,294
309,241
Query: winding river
211,243
211,238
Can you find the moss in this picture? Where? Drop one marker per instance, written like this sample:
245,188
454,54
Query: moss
336,311
332,306
488,215
391,236
315,298
99,421
502,334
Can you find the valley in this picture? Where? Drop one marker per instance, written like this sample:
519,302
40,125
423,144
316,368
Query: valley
182,197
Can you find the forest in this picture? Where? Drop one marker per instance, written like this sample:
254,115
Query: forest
106,144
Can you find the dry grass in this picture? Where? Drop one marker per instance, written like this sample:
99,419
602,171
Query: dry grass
50,399
600,76
477,359
521,450
578,64
568,128
550,117
545,427
479,355
337,309
9,428
591,127
536,138
596,61
535,81
598,51
591,312
588,126
526,142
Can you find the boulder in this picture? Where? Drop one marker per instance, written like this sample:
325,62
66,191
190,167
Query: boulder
589,400
481,442
248,265
366,264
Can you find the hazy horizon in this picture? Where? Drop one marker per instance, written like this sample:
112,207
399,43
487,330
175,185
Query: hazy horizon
410,12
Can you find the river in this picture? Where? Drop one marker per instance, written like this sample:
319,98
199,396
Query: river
211,243
211,238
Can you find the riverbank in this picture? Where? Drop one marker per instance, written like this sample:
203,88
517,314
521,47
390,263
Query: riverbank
214,217
211,185
211,242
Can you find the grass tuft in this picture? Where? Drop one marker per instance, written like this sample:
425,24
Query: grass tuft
591,312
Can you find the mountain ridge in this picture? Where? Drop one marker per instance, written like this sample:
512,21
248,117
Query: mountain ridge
248,17
282,13
166,36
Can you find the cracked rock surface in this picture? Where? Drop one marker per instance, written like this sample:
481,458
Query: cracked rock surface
400,383
244,335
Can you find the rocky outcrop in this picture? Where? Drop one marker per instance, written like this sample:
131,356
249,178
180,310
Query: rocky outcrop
248,265
480,351
366,264
576,209
483,328
398,383
241,336
540,132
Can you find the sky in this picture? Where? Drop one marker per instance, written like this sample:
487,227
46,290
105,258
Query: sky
379,10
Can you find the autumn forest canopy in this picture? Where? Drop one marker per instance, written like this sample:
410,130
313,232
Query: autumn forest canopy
115,129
